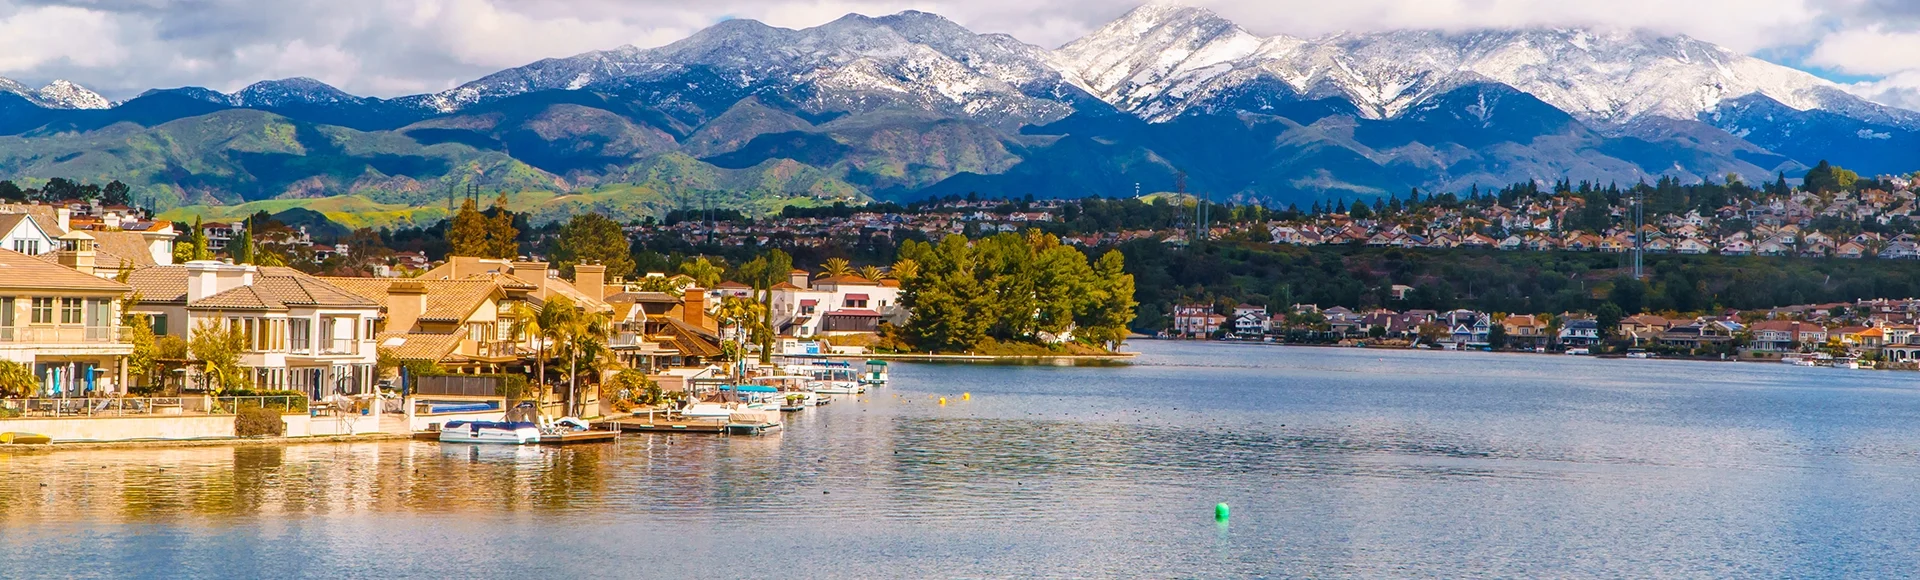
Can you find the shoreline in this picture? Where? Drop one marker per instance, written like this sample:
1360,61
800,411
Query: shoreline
213,442
908,357
1609,356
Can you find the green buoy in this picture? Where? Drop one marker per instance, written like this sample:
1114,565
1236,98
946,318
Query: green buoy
1220,512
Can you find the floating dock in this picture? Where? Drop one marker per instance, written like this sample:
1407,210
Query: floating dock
663,425
595,436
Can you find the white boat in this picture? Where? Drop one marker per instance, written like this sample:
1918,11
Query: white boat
829,378
711,410
1579,351
876,373
1639,354
498,432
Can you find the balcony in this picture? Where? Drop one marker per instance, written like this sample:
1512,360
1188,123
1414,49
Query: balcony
339,346
496,349
58,334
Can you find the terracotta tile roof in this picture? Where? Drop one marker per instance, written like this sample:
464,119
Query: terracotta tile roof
651,297
19,270
447,300
418,345
239,298
127,250
273,288
45,216
160,284
847,280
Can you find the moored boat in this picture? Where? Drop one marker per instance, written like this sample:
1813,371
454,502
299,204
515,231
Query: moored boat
24,439
876,373
497,432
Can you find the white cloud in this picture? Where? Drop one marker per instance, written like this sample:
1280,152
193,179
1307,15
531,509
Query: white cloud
46,35
1899,90
1872,51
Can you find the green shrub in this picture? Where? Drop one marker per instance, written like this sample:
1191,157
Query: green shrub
253,421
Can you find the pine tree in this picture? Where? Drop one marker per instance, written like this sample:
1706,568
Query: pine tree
592,238
467,235
502,237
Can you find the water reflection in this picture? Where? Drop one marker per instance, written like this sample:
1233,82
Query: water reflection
1337,463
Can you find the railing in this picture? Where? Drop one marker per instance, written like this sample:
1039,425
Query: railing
463,386
339,346
81,407
58,334
94,407
493,349
286,403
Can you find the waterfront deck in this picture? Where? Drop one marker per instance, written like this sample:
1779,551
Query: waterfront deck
593,436
642,424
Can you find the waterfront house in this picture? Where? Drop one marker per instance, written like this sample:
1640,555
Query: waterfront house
1785,335
1250,322
300,332
464,325
846,304
1580,333
63,324
1197,320
1524,330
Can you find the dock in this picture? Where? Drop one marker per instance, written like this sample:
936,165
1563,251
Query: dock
569,438
594,436
642,424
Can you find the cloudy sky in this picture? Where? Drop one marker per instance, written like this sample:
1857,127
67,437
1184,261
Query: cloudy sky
397,47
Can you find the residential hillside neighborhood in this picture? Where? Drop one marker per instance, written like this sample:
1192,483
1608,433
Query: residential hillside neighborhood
1844,224
1886,332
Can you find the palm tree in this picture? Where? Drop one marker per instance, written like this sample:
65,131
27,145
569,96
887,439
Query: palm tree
871,272
704,272
526,323
579,337
736,312
905,269
836,267
552,325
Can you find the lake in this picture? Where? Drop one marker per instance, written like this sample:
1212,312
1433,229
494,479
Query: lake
1336,462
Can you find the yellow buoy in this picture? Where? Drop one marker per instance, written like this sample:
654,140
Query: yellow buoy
966,396
943,400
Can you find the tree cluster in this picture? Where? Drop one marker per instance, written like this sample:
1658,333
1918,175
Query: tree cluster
1012,288
62,189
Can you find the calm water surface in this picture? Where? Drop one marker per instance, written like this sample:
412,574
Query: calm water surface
1337,462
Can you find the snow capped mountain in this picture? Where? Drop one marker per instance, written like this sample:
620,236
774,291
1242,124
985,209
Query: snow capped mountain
293,91
58,94
855,63
1160,61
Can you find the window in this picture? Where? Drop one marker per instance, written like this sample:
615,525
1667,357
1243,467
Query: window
42,310
70,312
300,331
28,247
6,312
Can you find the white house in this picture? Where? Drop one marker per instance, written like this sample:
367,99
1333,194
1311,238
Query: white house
302,333
836,305
25,235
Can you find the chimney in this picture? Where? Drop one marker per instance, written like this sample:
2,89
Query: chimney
535,272
63,217
591,280
800,278
76,252
406,301
694,309
203,279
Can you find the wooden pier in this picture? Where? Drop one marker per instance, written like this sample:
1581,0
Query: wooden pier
642,424
594,436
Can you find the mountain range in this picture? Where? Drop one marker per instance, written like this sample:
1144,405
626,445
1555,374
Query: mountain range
913,105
